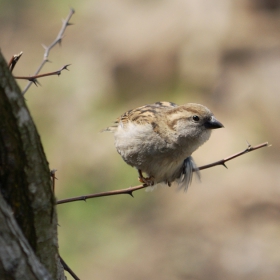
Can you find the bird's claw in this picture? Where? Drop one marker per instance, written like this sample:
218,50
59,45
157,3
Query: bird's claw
149,181
146,181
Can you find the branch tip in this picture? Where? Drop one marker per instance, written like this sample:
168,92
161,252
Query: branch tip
65,67
221,162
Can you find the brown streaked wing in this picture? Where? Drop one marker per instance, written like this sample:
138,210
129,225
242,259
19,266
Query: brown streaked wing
146,113
143,114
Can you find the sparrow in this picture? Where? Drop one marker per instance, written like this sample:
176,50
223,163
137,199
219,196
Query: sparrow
158,140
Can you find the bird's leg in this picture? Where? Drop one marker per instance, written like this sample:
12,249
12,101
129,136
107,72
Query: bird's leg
146,181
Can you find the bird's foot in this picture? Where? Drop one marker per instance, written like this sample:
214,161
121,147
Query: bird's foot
148,181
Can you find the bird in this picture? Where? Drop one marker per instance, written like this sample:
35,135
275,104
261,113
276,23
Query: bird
158,139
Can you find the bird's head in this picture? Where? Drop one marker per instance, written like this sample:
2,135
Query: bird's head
192,121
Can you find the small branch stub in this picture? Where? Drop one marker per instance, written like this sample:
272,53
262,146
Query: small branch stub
52,173
13,61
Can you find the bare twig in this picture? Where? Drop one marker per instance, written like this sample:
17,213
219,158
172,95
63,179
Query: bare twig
132,189
223,161
67,268
13,61
58,40
33,79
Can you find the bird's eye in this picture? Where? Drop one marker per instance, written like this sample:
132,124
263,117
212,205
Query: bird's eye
195,118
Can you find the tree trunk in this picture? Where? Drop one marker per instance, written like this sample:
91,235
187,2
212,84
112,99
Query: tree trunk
28,221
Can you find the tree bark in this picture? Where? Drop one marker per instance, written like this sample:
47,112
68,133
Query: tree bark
26,187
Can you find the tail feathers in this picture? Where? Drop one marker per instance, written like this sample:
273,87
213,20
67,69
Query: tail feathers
189,168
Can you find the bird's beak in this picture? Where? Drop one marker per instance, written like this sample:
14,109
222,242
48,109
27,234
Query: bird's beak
213,123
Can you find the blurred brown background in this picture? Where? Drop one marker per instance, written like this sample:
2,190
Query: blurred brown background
221,53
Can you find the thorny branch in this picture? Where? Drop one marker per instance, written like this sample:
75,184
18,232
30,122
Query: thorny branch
223,161
58,40
33,79
132,189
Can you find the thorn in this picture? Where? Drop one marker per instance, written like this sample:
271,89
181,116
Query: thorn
69,23
224,165
248,144
84,199
46,59
65,67
34,81
131,194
